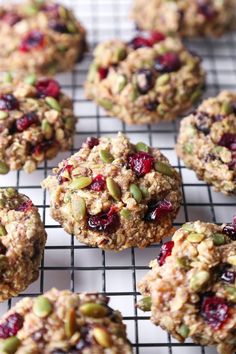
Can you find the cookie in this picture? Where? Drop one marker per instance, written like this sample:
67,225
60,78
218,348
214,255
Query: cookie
188,18
22,241
61,322
39,36
152,78
113,194
207,142
36,122
191,287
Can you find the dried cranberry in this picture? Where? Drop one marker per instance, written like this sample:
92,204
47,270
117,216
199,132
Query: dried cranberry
228,276
203,123
32,40
26,206
141,163
167,63
68,169
98,183
11,325
48,87
145,80
139,42
228,140
156,37
103,72
11,18
26,121
151,106
215,311
8,102
92,141
166,250
230,230
43,147
58,26
3,249
157,210
206,9
52,9
104,221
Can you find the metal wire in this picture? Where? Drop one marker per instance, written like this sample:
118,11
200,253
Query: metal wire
68,263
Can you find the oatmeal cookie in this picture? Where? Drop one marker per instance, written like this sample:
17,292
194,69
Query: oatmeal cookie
61,322
191,287
36,122
113,194
39,36
150,79
22,242
188,18
207,142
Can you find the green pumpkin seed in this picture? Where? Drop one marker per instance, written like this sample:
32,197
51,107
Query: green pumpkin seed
31,10
144,191
69,123
121,83
46,129
125,213
92,72
106,104
4,169
120,54
196,95
70,323
102,337
140,146
195,238
231,292
188,227
188,147
10,345
199,280
218,239
134,94
232,260
162,80
3,231
78,208
42,307
136,192
10,192
53,103
8,78
30,79
184,331
145,304
113,188
226,108
94,310
183,262
106,156
80,182
164,169
63,12
71,27
3,115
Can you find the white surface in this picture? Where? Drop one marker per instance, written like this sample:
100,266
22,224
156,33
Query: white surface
106,19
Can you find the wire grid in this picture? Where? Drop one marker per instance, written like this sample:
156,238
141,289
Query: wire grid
69,264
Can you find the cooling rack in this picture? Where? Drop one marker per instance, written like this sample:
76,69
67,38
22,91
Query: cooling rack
69,264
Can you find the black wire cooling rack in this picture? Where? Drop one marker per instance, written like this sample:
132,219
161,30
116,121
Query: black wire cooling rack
68,264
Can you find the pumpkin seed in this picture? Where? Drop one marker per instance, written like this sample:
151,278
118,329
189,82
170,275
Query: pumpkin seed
31,79
194,237
46,129
78,207
232,260
125,213
3,115
121,83
80,182
70,323
113,188
144,191
196,95
120,53
183,262
4,169
162,80
164,169
10,345
8,78
31,10
231,292
188,147
199,280
69,123
226,108
10,192
145,304
140,146
102,337
42,307
184,331
91,309
136,192
218,239
188,227
92,72
53,103
71,27
3,231
106,104
106,156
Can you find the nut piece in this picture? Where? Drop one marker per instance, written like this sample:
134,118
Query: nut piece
78,207
94,310
136,192
102,337
10,345
106,156
113,188
195,238
80,182
42,307
232,260
70,323
199,280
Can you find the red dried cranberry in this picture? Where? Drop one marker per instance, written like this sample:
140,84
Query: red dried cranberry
48,87
230,230
92,141
206,9
68,169
32,40
228,276
166,250
26,121
156,37
228,140
3,249
52,9
157,210
151,106
215,311
8,102
11,325
104,221
141,163
43,147
103,72
145,80
167,63
139,42
11,18
98,183
26,206
58,26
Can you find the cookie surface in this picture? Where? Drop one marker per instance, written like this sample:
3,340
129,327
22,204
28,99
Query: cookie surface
36,122
189,18
207,141
152,78
191,286
22,242
39,36
61,322
113,194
